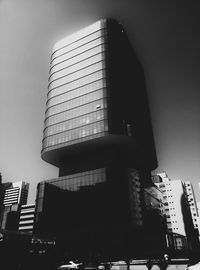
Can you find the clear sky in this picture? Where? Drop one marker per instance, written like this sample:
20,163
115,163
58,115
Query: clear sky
166,37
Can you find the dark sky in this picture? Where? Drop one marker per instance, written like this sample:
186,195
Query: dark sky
166,37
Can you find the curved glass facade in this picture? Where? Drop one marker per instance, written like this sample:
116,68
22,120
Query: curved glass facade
77,92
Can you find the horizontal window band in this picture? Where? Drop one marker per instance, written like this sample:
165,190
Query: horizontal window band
96,172
25,228
77,74
12,190
47,133
80,56
67,116
74,128
74,118
11,198
85,76
93,101
28,206
76,98
100,30
75,49
64,135
69,95
10,201
80,61
26,222
26,215
11,194
78,64
74,89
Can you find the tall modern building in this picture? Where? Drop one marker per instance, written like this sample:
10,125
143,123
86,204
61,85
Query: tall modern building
15,194
177,208
98,132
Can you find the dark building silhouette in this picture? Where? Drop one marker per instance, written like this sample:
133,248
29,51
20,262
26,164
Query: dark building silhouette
98,133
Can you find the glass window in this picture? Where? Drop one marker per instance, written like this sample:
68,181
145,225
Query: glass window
75,102
78,74
75,134
89,38
80,65
79,50
49,146
77,92
62,61
77,83
75,112
76,122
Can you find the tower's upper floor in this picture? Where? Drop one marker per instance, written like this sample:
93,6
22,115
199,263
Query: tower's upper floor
97,98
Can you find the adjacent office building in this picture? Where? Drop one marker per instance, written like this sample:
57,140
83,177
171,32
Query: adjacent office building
26,220
192,203
176,206
198,218
98,132
15,195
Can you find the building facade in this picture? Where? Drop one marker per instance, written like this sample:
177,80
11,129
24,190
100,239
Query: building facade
15,194
98,132
89,100
177,208
26,220
192,203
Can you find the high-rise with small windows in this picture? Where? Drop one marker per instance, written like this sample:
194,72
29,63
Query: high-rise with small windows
176,206
15,194
173,193
97,131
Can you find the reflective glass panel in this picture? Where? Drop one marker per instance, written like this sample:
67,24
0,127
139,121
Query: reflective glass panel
77,92
75,102
76,122
77,58
67,70
78,43
78,111
78,83
78,74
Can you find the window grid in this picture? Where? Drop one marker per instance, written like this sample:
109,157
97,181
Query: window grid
66,69
76,102
76,122
66,87
77,51
77,58
70,47
75,112
75,181
97,85
76,133
76,75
